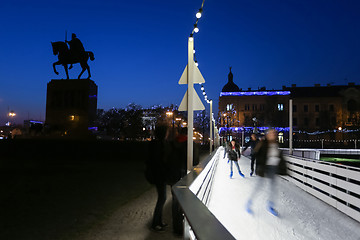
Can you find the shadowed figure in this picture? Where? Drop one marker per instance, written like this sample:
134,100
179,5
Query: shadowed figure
76,54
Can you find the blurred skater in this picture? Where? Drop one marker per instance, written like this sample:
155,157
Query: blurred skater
252,143
233,152
269,163
226,147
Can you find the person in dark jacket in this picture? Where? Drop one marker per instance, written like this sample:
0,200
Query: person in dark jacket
269,163
252,143
234,155
155,173
177,169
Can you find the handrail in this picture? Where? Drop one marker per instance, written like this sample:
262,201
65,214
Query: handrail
202,222
334,184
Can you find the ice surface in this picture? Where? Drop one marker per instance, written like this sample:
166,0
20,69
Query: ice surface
301,215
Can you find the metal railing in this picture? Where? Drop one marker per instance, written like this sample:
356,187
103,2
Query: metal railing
335,184
193,193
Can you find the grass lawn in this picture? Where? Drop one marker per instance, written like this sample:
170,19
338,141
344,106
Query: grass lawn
335,159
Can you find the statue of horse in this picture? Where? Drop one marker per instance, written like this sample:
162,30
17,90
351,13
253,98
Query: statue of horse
65,57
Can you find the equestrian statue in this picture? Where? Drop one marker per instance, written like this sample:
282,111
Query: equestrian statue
76,54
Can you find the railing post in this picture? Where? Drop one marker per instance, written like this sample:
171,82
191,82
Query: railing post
186,230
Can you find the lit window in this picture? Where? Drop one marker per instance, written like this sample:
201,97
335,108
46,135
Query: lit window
280,107
229,107
281,137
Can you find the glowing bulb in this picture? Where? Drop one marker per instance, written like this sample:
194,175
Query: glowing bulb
196,29
202,88
198,14
204,93
194,51
196,63
191,38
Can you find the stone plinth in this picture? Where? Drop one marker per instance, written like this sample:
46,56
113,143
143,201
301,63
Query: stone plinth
71,105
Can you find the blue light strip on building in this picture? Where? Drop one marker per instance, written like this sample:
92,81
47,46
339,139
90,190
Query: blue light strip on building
251,129
257,93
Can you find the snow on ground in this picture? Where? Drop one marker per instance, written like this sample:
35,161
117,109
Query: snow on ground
301,216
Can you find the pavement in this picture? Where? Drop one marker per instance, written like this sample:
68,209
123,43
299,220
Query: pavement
132,221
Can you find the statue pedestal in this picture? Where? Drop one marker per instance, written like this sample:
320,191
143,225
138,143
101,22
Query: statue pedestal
71,106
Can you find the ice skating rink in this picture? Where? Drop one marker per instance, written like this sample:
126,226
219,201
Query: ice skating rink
301,215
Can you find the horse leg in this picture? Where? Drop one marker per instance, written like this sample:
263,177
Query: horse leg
54,64
66,71
88,69
82,71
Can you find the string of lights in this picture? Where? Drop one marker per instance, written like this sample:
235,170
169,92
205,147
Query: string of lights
198,16
329,131
196,30
325,140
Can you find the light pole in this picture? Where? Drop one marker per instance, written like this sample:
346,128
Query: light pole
11,114
171,114
211,126
290,127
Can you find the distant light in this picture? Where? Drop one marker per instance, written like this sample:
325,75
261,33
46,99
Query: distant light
144,129
196,29
196,63
193,50
204,93
202,88
339,128
198,14
72,117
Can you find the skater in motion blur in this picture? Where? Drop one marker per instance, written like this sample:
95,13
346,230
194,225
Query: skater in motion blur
233,152
252,143
269,163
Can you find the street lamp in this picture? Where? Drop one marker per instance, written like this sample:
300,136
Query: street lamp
171,114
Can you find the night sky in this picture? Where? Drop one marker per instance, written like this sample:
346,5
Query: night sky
140,47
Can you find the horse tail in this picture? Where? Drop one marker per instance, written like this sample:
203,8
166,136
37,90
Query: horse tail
91,55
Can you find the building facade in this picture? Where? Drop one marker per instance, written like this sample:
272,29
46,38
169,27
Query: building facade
317,108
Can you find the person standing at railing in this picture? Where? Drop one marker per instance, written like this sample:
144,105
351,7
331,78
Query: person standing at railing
252,144
269,163
176,170
234,155
155,173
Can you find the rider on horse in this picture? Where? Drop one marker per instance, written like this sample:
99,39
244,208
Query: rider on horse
77,50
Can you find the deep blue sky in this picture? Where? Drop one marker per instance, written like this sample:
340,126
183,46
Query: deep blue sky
141,47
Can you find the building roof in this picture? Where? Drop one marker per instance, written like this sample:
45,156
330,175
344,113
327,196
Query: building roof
230,86
293,91
320,91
